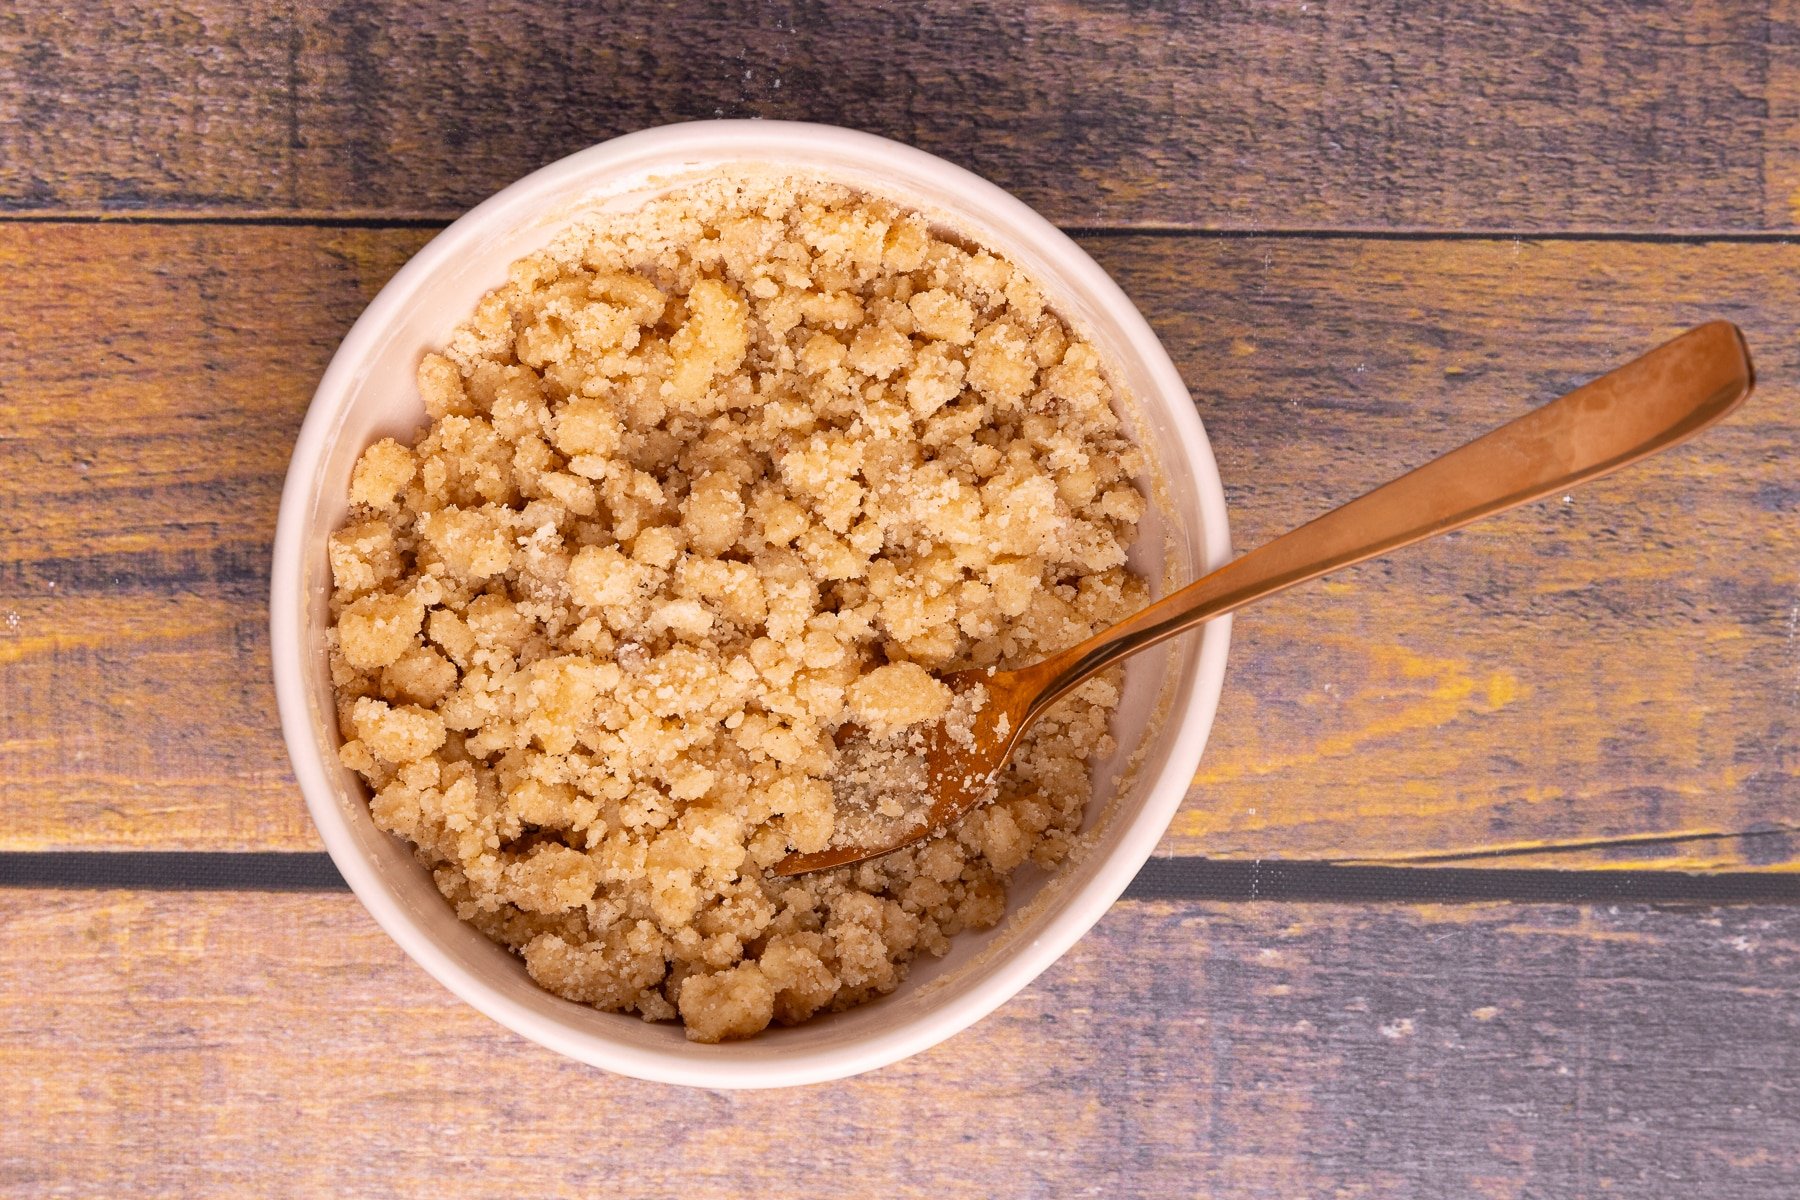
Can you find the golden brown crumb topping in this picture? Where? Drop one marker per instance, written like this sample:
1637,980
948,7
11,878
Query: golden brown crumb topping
701,484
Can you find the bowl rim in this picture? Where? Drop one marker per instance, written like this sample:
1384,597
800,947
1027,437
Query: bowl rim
1188,728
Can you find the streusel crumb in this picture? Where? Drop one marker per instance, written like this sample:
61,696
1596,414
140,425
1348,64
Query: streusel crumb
702,484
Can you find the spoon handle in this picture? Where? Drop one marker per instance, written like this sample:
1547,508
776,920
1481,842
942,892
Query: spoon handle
1647,405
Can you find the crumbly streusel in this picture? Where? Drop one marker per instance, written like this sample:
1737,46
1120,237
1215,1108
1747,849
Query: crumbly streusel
701,484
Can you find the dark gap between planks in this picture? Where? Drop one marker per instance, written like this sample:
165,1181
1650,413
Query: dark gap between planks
325,221
1161,879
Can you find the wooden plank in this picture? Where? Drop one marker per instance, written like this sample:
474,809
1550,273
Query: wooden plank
199,1045
1621,666
1508,114
147,418
1617,676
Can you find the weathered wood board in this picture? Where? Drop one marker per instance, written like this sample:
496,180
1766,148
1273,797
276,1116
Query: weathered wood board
227,1045
1617,675
1530,115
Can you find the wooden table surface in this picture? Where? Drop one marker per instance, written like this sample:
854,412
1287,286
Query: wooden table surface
1487,883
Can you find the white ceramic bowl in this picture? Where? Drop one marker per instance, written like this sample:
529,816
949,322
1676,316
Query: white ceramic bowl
368,392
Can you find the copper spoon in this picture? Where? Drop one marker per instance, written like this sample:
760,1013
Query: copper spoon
1645,406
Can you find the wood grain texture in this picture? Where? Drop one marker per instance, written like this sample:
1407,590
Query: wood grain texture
1609,681
1569,674
1622,665
165,1045
1506,114
149,398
